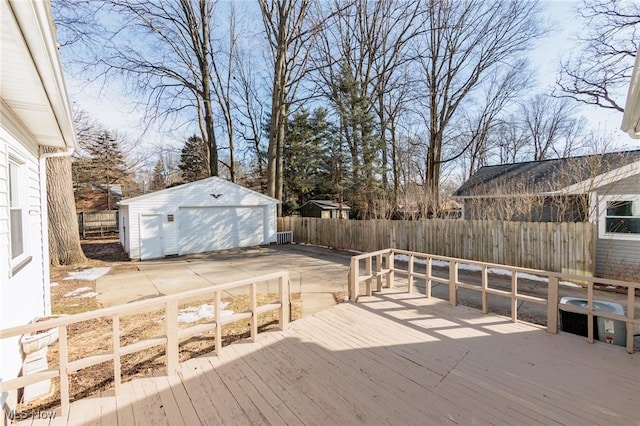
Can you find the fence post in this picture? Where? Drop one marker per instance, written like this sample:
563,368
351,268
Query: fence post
552,306
453,283
410,273
64,372
379,272
428,280
368,272
117,365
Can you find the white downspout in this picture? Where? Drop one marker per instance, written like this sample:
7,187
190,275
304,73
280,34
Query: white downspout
44,217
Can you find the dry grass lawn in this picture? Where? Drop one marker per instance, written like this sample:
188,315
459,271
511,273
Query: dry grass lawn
94,337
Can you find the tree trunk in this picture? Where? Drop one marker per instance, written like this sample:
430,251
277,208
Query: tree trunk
64,239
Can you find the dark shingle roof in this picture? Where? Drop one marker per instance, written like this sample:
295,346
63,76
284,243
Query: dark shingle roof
328,205
542,176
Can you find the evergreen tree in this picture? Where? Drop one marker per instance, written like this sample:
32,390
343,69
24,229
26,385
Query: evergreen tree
194,163
158,180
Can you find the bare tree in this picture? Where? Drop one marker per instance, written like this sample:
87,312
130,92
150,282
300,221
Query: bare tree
464,43
550,126
600,71
289,32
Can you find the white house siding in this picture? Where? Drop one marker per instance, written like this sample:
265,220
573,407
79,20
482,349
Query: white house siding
616,255
23,292
196,194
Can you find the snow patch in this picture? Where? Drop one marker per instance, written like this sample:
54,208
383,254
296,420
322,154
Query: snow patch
89,294
91,274
196,313
53,284
78,291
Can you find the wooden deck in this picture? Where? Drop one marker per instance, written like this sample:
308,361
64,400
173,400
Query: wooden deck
393,358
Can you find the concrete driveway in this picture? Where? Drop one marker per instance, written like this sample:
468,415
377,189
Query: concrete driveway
315,273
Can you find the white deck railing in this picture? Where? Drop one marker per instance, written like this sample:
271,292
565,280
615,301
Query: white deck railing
385,271
169,340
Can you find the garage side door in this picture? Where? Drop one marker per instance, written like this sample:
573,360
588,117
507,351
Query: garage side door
217,228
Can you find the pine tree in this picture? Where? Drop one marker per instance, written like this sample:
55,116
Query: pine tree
158,180
194,162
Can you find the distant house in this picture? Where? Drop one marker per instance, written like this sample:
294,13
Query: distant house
603,189
325,209
205,215
34,113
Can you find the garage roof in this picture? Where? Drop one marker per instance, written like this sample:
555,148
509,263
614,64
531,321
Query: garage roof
213,186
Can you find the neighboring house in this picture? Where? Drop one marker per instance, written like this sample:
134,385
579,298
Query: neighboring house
325,209
603,189
34,113
97,197
205,215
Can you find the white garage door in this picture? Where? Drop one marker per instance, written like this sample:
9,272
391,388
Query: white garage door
203,229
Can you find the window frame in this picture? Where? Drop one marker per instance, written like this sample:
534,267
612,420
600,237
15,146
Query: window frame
602,222
17,193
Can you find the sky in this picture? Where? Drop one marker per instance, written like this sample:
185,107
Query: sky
112,108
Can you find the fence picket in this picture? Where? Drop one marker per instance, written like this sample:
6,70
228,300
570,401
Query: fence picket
546,246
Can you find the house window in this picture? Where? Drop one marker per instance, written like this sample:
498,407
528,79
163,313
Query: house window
18,228
621,218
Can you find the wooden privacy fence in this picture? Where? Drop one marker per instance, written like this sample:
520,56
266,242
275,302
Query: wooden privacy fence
557,247
97,223
381,266
170,340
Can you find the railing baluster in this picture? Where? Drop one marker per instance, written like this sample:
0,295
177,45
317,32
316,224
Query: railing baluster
218,332
552,305
354,289
117,363
171,330
485,285
590,312
453,283
379,272
254,316
631,295
410,277
390,267
368,272
284,288
64,373
514,296
428,273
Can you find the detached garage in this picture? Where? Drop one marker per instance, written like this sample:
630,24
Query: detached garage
206,215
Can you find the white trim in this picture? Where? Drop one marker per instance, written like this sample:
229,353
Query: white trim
602,210
19,164
603,179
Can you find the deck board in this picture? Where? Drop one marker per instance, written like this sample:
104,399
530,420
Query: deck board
392,358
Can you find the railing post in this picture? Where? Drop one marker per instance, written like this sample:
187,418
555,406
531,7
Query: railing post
354,288
485,285
514,296
64,373
379,272
428,280
171,330
254,317
218,331
631,295
284,289
453,283
590,330
368,273
552,306
390,266
117,365
410,274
